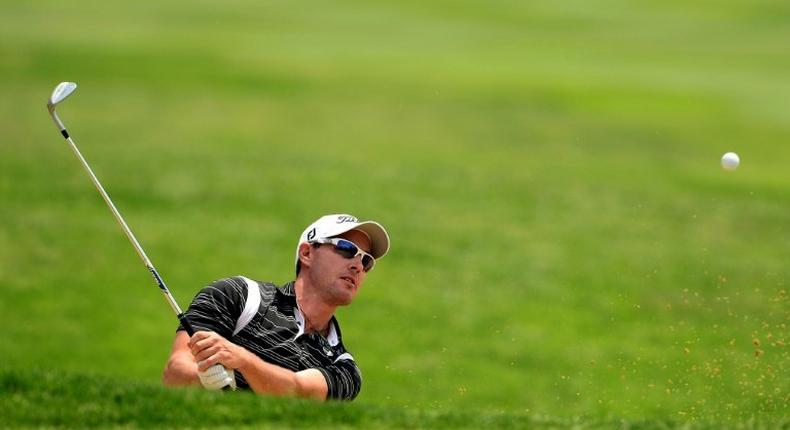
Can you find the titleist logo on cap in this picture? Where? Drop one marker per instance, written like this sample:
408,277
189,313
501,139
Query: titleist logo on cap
345,218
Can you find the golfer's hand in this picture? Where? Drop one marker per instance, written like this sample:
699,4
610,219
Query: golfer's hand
217,377
209,349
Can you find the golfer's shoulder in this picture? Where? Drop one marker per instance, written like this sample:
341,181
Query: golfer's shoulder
240,284
228,287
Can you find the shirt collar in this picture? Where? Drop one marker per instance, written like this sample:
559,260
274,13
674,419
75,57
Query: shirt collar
331,337
289,289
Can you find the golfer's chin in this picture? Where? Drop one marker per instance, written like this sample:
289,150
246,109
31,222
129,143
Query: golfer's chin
344,294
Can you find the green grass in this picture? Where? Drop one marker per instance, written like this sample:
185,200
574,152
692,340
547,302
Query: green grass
564,242
47,399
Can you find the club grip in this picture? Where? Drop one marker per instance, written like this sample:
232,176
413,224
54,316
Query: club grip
185,323
190,331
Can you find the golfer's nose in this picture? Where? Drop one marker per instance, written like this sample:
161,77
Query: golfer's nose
356,263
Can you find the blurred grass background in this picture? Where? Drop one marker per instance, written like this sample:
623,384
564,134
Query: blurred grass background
564,241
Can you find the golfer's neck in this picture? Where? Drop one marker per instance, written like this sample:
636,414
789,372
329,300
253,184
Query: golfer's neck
310,303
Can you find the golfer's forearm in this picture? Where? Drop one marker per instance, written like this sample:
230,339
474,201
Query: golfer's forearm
180,370
267,378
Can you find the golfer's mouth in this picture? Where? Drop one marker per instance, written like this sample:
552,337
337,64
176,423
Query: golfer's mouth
350,280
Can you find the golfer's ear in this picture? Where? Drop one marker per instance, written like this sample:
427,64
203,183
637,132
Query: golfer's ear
305,254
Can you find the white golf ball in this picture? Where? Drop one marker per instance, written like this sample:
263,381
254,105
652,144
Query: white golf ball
730,161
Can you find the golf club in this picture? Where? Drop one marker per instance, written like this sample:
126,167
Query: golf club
60,93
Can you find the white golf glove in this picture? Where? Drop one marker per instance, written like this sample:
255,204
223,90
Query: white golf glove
217,377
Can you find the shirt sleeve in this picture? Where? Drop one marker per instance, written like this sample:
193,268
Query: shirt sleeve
343,379
217,307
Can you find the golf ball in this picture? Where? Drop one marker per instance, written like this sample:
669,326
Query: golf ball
730,161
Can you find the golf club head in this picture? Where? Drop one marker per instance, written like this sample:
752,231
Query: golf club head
63,90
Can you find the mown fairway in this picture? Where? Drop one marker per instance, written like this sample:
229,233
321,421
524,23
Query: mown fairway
565,243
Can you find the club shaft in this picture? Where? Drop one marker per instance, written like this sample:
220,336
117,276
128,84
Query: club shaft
125,227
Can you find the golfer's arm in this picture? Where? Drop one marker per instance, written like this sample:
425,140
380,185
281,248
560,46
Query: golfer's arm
181,368
267,378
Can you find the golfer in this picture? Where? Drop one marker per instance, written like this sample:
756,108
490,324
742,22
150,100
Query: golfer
282,341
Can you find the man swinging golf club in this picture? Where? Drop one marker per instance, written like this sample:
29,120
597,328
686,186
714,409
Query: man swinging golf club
282,341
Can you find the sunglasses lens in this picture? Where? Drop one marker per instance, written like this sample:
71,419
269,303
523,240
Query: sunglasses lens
346,249
349,250
367,262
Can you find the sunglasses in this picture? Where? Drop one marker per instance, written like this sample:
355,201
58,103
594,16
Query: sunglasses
349,249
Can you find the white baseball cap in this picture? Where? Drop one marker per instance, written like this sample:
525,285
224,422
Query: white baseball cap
329,226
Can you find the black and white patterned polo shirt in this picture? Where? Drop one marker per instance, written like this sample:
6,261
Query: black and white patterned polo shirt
276,333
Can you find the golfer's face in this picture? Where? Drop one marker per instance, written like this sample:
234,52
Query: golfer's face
342,277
